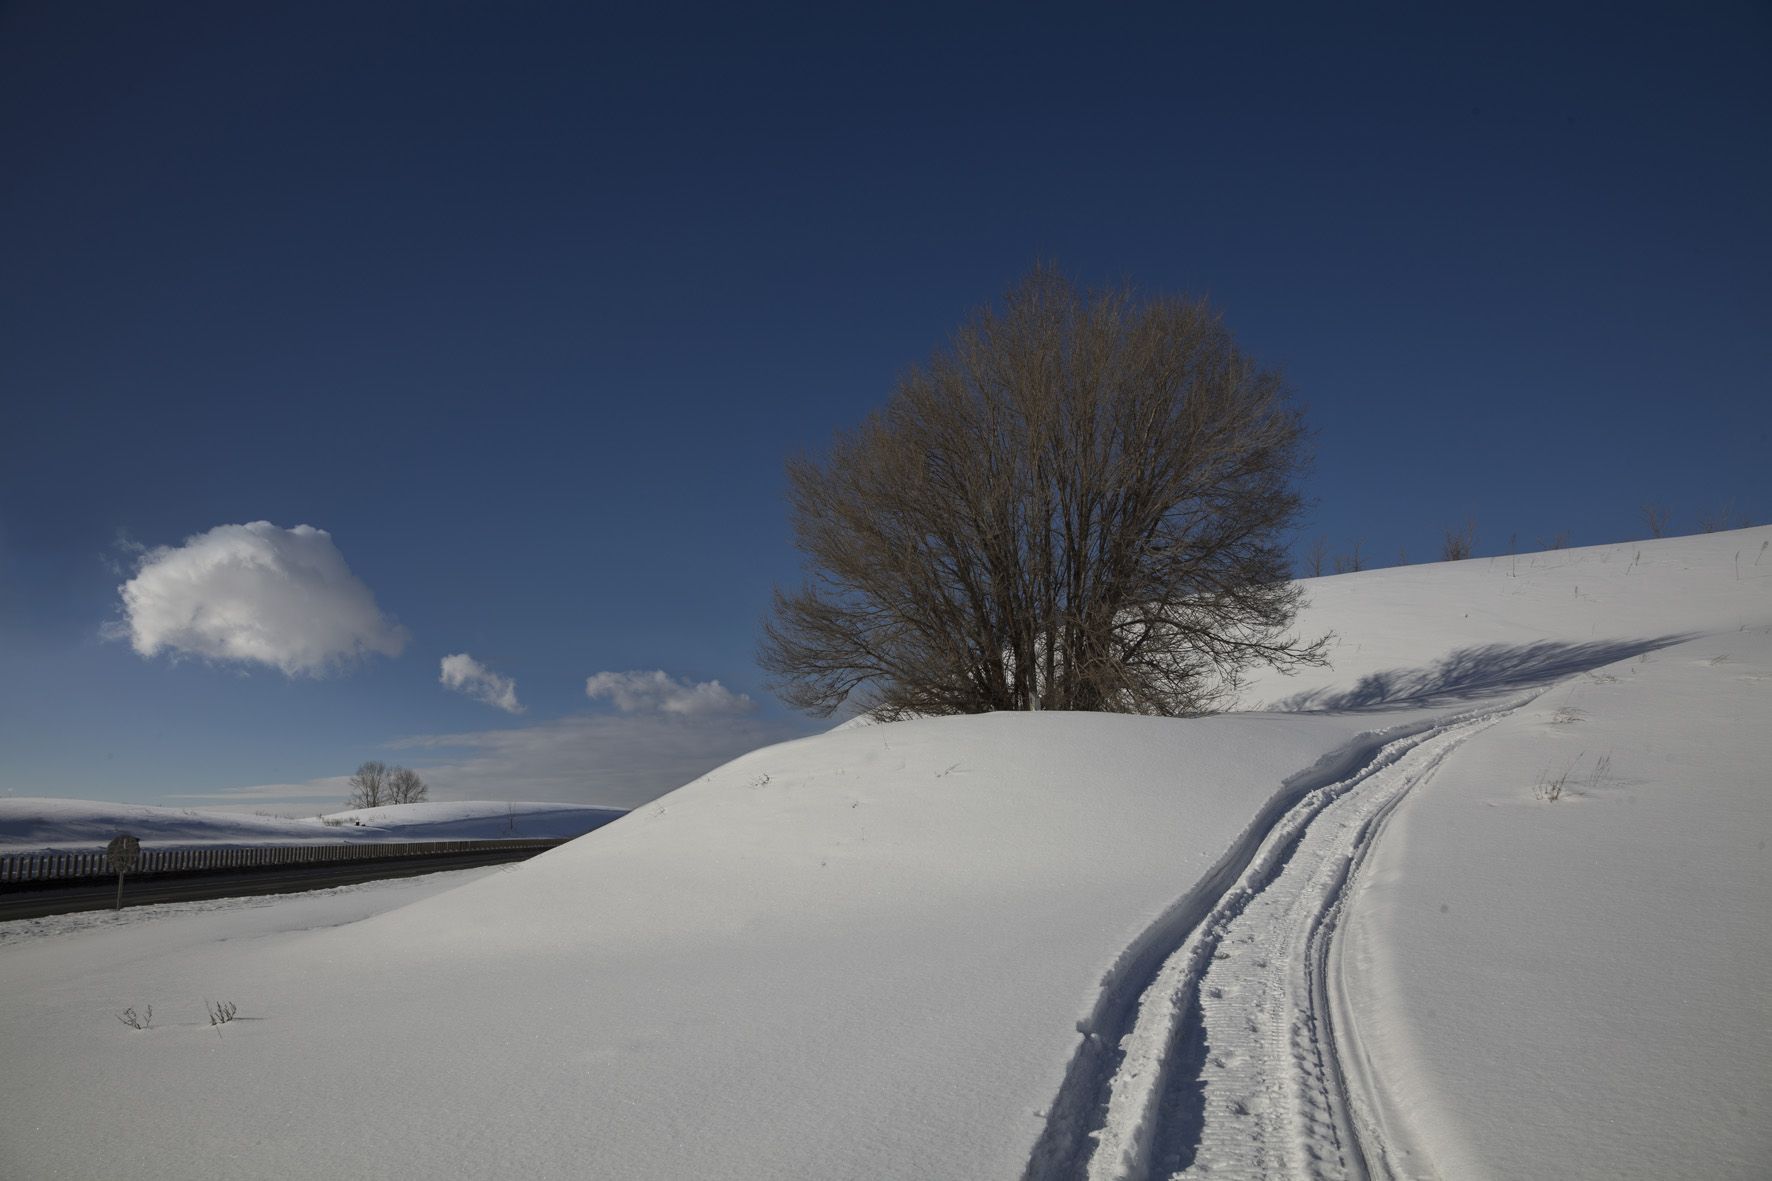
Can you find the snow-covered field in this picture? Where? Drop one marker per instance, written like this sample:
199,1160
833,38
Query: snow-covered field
1350,936
29,824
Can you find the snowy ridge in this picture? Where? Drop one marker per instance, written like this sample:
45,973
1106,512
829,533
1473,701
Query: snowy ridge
1428,632
30,824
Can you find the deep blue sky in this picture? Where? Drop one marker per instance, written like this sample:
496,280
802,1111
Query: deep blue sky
526,305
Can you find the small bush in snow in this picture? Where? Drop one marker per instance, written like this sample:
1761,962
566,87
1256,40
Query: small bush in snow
1550,789
1460,543
143,1020
220,1013
1718,521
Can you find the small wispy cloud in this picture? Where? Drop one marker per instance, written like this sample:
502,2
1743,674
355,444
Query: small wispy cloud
253,594
613,760
120,560
464,674
638,692
336,787
616,760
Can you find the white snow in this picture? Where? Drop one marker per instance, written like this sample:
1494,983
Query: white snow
1586,984
913,950
1442,629
29,824
1578,987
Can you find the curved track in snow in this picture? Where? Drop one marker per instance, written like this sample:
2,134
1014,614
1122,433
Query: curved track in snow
1236,1058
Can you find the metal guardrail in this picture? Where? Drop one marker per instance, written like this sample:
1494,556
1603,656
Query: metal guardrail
16,868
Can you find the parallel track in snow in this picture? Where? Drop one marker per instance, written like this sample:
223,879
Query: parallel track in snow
1233,1058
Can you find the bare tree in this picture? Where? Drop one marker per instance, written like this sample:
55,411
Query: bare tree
369,786
406,787
1316,555
1718,521
1460,542
1078,504
1656,516
1353,561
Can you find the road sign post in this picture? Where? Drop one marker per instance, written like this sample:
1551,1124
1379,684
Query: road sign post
123,853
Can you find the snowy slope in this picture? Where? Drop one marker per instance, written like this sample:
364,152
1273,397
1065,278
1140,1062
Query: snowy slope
33,823
1586,982
860,955
1580,987
460,820
1460,976
1415,633
1059,944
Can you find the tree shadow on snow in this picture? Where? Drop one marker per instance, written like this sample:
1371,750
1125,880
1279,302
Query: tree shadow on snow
1475,672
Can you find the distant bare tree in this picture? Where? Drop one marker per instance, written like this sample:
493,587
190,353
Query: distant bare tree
1559,541
1716,522
1078,504
1352,562
369,786
406,787
1460,542
1316,556
1656,516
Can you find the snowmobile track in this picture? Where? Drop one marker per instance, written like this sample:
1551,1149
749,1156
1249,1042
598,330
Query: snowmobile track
1214,1043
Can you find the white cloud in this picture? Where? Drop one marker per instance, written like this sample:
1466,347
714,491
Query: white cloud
254,594
464,674
655,692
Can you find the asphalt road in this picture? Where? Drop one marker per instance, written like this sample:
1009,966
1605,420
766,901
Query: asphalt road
239,883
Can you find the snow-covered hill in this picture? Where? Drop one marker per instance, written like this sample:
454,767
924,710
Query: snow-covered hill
1417,633
1351,937
32,823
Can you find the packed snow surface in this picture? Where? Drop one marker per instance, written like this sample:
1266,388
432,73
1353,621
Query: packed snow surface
1353,938
1583,988
28,824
